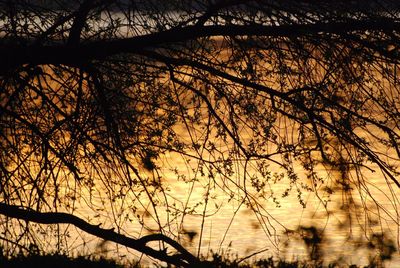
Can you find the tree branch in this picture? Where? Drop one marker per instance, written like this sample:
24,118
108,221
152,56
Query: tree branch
16,55
79,22
183,259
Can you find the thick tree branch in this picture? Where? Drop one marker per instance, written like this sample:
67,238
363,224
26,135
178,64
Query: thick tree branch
182,259
79,22
15,55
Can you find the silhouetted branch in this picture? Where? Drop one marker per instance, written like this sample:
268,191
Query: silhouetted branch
15,55
182,259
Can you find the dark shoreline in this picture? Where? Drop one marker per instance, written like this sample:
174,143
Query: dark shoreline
57,260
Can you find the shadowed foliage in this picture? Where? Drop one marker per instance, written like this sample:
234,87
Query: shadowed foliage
125,118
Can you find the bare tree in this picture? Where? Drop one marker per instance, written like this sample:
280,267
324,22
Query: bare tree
96,95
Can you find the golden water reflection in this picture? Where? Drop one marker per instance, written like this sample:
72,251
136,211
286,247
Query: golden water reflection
230,226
